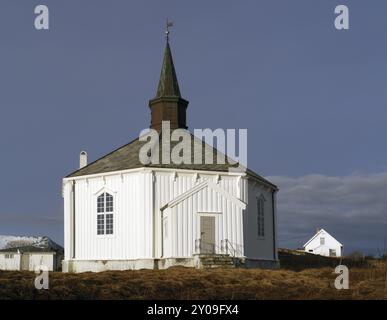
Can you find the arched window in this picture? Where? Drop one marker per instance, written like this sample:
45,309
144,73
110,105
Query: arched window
261,216
105,208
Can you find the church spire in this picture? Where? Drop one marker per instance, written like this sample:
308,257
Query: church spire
168,105
168,85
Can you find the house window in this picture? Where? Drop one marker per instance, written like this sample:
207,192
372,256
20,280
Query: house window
261,216
9,256
322,240
105,208
332,252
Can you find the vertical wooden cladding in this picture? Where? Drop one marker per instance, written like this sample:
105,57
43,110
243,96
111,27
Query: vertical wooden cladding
137,212
184,218
67,223
259,247
132,235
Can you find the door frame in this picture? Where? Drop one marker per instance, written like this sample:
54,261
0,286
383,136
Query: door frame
216,215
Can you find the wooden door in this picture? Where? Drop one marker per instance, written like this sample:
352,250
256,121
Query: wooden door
207,231
25,262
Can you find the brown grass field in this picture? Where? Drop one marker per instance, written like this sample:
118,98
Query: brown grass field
186,283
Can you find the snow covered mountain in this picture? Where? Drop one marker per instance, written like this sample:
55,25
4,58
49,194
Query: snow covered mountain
21,241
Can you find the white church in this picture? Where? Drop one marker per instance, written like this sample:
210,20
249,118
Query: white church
120,214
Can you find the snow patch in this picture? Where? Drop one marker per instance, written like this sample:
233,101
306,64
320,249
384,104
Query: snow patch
7,242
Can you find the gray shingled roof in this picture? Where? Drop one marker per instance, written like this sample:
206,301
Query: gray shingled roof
27,249
127,157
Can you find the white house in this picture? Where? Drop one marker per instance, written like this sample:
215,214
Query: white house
29,253
29,258
324,244
121,214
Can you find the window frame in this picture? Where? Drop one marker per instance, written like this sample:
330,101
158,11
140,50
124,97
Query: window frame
261,217
105,214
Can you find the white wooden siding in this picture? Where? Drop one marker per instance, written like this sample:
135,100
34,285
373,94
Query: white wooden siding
138,199
259,247
132,235
41,259
10,264
183,218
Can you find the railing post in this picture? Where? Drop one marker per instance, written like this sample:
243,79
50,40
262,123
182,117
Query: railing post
197,245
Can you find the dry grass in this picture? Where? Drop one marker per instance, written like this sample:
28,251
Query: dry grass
185,283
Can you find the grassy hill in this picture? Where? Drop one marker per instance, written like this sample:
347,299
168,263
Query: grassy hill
186,283
299,260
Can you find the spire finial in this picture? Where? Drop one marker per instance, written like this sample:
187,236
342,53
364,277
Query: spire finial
168,25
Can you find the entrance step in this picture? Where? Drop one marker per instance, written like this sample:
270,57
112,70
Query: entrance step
215,261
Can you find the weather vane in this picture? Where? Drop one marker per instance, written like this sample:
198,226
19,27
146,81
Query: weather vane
168,25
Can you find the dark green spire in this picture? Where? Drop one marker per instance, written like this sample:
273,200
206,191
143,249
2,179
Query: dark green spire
168,105
168,85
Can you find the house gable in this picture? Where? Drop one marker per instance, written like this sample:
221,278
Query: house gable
206,184
317,235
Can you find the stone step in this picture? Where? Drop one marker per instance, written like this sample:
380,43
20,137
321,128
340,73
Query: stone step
218,260
214,261
211,261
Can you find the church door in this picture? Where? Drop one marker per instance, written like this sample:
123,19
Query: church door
207,231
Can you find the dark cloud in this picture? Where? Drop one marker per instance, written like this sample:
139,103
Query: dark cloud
28,224
352,208
11,219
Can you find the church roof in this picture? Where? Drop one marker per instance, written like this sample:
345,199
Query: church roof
127,157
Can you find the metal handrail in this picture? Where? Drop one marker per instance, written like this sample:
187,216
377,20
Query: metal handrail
234,251
226,247
199,245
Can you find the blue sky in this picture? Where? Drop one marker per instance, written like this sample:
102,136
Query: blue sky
312,98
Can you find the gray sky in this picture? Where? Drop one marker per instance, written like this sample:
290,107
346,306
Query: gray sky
312,98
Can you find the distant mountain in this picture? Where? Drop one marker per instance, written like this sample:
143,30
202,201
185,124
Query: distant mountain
21,241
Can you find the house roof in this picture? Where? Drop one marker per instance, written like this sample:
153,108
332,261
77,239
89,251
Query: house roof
26,249
317,234
127,157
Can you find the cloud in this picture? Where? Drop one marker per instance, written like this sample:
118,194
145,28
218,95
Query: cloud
352,208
